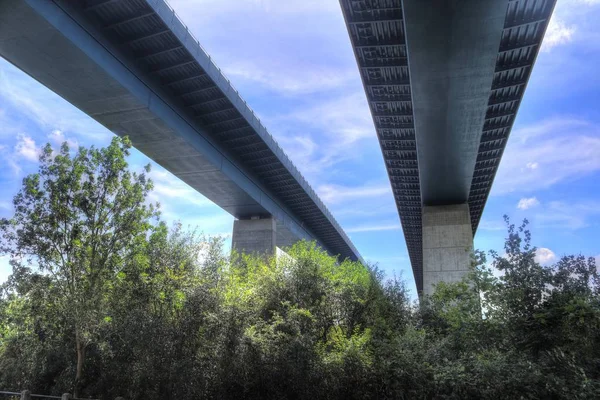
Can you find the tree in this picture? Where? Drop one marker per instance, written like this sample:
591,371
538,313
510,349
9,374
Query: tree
75,222
103,293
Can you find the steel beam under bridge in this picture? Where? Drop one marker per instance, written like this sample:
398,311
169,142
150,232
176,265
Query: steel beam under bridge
444,80
135,68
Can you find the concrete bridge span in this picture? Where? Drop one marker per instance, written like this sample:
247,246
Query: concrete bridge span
444,80
133,66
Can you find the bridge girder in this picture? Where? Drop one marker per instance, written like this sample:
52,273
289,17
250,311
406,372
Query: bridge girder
378,33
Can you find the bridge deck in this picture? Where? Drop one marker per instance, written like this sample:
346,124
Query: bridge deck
133,66
453,168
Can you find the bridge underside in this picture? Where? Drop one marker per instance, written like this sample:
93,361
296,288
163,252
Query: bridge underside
444,80
452,54
135,68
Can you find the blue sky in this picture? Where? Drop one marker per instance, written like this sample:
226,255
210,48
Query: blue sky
292,61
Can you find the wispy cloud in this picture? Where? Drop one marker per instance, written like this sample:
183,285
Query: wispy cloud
26,148
374,228
527,203
491,225
32,99
294,60
553,151
318,110
327,133
302,80
168,188
211,7
211,224
559,215
567,215
558,33
180,202
345,118
532,165
337,193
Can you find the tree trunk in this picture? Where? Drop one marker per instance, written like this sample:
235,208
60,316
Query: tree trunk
80,360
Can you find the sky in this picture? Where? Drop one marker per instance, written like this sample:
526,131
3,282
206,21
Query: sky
293,63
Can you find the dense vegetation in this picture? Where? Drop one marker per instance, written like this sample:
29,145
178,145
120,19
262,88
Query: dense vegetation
106,300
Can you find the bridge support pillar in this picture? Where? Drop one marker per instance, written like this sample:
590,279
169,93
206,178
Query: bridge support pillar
447,244
254,236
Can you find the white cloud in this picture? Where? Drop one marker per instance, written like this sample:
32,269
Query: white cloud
532,165
544,256
558,33
26,148
564,149
374,228
58,138
526,203
597,258
337,193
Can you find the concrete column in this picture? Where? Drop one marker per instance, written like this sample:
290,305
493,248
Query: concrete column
254,236
447,244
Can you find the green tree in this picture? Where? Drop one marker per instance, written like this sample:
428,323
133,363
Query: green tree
75,222
129,306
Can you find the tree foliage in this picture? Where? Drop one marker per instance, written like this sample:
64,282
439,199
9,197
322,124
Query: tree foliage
163,313
77,221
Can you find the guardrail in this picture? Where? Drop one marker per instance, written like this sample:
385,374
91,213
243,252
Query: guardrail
27,395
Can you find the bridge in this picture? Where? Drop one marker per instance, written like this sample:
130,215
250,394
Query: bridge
134,67
444,80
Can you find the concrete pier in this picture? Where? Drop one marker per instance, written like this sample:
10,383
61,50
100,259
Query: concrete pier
255,236
447,244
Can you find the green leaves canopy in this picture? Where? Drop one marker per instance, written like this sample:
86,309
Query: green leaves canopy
106,299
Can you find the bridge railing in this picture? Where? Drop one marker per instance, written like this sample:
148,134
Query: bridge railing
212,62
262,127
